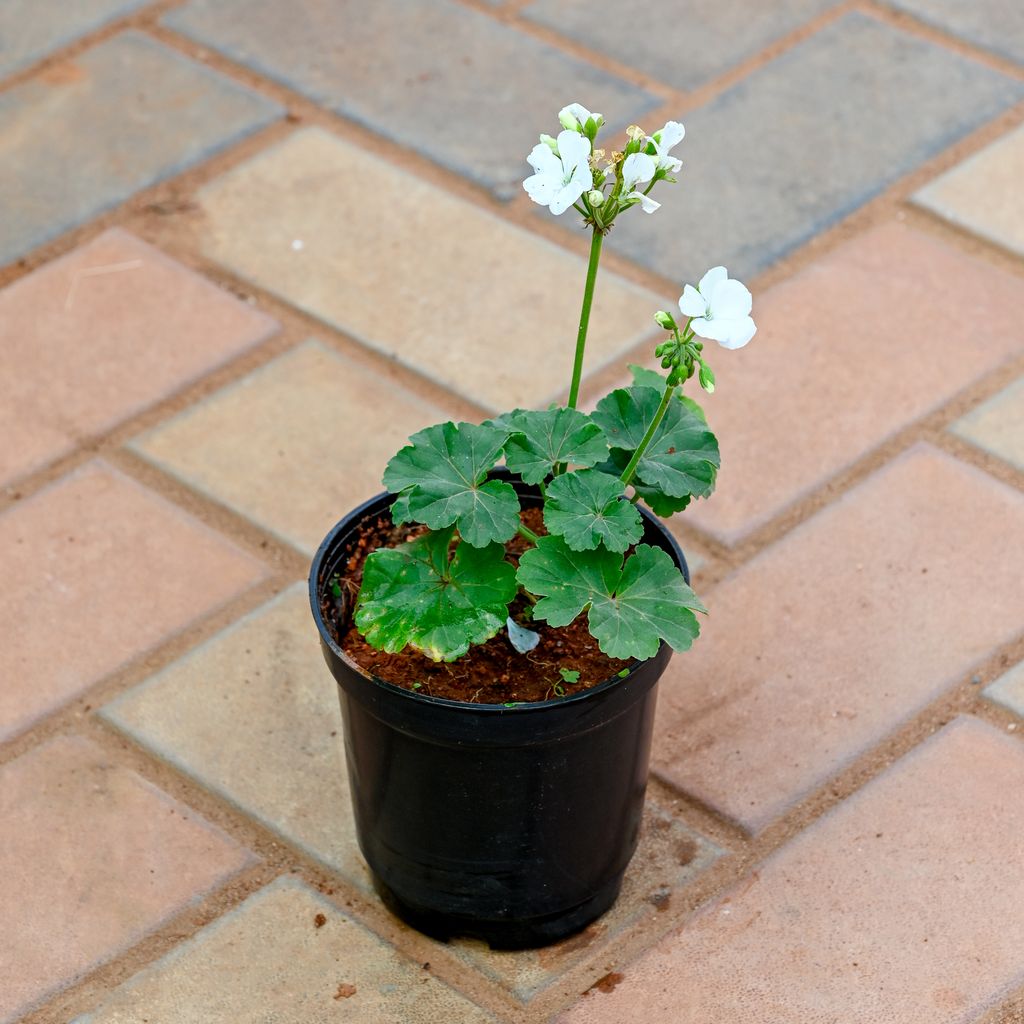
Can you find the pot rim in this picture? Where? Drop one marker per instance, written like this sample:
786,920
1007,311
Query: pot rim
519,707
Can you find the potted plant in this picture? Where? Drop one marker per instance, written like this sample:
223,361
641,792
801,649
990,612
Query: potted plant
497,632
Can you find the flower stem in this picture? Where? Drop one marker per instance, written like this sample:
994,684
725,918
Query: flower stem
526,532
627,473
588,298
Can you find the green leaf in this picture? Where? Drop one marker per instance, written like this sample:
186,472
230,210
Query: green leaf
540,440
644,377
588,507
681,460
633,604
441,480
416,595
657,501
569,675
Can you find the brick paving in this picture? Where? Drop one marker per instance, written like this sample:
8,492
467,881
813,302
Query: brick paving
248,247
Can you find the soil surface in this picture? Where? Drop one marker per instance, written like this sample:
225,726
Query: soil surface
491,673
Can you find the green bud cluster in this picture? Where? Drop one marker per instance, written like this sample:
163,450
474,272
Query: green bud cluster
681,354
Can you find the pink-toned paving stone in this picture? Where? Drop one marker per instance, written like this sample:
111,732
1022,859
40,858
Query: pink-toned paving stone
849,351
98,570
92,857
100,334
902,906
823,644
286,956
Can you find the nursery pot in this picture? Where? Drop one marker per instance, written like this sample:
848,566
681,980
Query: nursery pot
509,824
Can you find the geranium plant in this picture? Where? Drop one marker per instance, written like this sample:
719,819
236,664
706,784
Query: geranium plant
452,585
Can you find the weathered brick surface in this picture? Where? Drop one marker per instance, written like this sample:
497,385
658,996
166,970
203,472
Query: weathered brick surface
849,351
459,295
253,715
668,858
93,338
294,445
997,425
30,31
820,646
98,570
983,193
804,140
92,858
270,960
1008,690
685,46
997,25
90,132
439,84
901,906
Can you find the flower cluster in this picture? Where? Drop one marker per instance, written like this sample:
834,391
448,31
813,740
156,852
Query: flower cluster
570,172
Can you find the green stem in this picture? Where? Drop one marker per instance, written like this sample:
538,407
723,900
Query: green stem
627,473
581,336
526,532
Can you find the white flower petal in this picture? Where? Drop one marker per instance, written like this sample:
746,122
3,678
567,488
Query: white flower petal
715,276
541,188
730,300
670,164
728,333
573,148
742,330
671,135
637,167
692,303
543,161
566,196
647,204
578,111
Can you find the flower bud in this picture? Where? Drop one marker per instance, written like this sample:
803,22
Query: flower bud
551,143
595,197
569,121
663,319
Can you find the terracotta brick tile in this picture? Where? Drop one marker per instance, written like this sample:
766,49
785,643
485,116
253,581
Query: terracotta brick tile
848,352
98,570
97,336
997,25
31,31
294,445
827,641
253,715
92,858
904,905
90,132
669,857
997,426
270,961
800,142
1008,690
730,31
983,193
452,291
442,63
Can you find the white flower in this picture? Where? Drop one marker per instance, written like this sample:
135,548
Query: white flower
561,177
719,309
575,116
638,169
664,141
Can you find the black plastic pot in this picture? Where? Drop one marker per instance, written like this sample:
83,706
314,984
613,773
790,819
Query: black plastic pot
509,824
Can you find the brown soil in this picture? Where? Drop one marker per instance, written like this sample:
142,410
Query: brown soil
491,673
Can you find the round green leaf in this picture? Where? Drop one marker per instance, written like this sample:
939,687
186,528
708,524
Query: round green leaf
588,507
415,595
